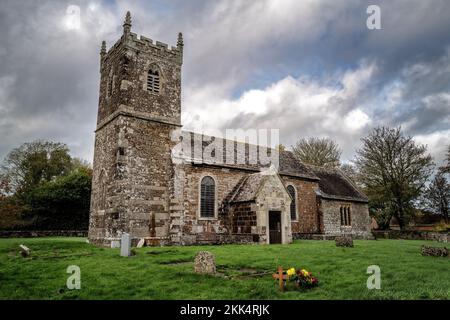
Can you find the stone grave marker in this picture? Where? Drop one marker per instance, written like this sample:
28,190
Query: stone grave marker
115,244
125,245
141,243
205,263
344,241
435,251
25,251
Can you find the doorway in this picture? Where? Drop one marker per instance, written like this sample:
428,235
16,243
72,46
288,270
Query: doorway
274,227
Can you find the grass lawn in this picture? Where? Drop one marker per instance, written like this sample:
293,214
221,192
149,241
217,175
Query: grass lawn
166,272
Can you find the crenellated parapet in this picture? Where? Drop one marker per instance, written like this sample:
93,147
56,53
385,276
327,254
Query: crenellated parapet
138,43
146,44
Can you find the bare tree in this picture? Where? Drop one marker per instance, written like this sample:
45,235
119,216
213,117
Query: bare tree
351,172
436,197
393,169
446,167
317,151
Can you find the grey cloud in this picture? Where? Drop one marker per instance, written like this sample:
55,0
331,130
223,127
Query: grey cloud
232,45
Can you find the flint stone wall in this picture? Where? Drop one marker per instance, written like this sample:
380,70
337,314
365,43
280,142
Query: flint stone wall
331,219
412,235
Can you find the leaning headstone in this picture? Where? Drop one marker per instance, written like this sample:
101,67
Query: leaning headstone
125,245
205,263
141,243
435,251
344,241
24,251
115,244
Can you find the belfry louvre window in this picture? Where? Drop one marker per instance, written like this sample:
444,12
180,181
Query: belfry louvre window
291,191
153,81
207,197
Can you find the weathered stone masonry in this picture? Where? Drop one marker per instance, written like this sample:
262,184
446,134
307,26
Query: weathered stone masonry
139,188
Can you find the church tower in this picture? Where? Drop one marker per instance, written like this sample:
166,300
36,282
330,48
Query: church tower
139,107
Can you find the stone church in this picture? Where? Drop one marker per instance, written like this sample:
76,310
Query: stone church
144,188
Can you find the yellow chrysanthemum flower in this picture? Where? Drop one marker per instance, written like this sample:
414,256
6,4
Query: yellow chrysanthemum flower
291,272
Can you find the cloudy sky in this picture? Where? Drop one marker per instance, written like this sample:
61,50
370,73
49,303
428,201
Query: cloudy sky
309,68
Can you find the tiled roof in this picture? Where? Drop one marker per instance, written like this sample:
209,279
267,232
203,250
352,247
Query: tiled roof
244,153
334,184
289,164
249,188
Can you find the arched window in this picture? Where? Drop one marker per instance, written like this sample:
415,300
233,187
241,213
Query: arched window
342,216
153,80
291,191
207,197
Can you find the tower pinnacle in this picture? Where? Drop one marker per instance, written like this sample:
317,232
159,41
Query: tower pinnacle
127,23
180,40
180,45
103,50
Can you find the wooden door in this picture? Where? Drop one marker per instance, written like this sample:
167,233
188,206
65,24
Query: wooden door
274,227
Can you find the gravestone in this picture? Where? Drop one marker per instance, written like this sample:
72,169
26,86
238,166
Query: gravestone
24,251
141,243
205,263
115,244
125,245
435,251
344,241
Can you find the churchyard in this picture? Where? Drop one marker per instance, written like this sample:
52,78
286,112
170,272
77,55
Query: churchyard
242,271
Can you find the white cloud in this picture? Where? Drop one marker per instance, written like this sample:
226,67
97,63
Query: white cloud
437,143
298,107
356,119
241,67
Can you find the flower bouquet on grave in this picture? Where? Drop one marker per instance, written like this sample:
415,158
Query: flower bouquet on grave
304,279
301,278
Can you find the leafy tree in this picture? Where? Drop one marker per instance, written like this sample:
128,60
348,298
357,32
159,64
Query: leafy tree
30,164
393,169
280,147
62,203
381,214
81,165
42,186
11,210
317,151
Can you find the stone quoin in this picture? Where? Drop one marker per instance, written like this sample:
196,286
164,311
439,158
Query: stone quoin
143,188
